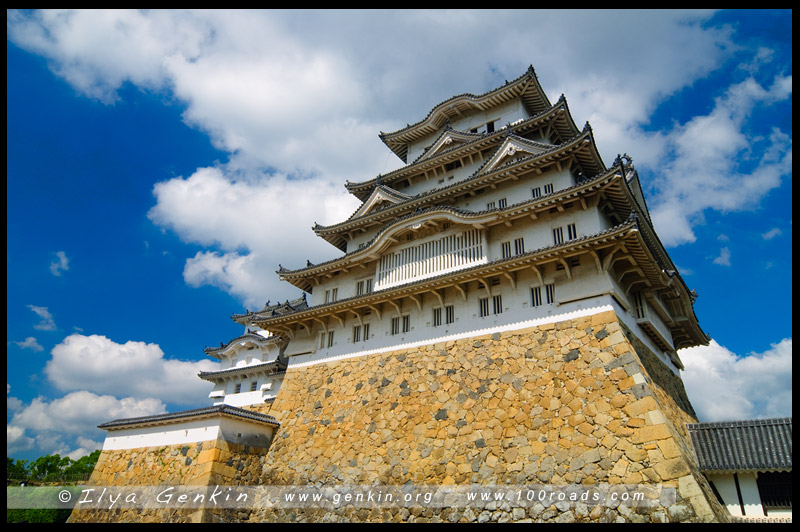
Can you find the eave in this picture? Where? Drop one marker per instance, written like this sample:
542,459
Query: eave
249,338
556,117
581,149
526,87
303,278
623,241
267,368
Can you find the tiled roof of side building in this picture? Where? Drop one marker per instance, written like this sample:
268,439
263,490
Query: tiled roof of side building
279,309
752,445
184,415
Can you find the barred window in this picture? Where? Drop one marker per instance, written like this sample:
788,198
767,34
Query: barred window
437,317
548,189
484,306
330,338
502,203
572,233
536,296
449,314
253,386
356,333
406,323
506,249
497,304
550,293
558,235
536,192
366,332
519,246
395,326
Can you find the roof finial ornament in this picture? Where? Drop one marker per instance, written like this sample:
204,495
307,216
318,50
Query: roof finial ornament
447,124
378,180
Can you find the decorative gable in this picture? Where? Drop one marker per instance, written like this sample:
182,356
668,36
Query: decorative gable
512,150
448,140
378,199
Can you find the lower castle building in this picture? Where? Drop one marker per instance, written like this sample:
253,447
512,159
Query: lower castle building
502,314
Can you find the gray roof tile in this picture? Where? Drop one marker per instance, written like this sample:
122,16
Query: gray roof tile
752,445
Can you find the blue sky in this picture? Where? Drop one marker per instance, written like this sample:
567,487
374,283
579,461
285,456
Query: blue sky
161,164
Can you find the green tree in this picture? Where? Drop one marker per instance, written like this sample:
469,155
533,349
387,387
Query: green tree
16,469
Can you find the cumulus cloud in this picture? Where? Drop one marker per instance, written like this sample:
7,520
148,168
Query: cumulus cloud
134,369
60,265
47,323
30,343
711,162
58,422
297,100
257,221
725,386
772,233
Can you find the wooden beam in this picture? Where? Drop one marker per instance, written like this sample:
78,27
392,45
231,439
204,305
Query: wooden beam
376,309
609,257
511,279
358,316
487,287
396,306
324,324
566,267
538,273
597,262
460,291
417,301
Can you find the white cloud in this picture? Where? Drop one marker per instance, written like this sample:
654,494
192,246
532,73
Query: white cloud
267,216
724,258
724,386
135,369
60,265
57,422
30,343
47,323
300,94
712,163
772,233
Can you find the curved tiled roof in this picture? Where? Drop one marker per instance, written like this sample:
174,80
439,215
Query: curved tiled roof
459,212
211,411
277,365
278,308
546,250
252,337
474,179
526,86
560,108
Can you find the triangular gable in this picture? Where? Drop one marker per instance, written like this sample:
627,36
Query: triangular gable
380,195
446,141
513,149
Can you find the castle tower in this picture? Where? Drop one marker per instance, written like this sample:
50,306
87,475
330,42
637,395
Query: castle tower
503,313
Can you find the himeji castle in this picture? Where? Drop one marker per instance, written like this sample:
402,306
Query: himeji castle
504,217
501,313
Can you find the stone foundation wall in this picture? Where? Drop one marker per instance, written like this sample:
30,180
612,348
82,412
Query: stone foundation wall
207,463
575,402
